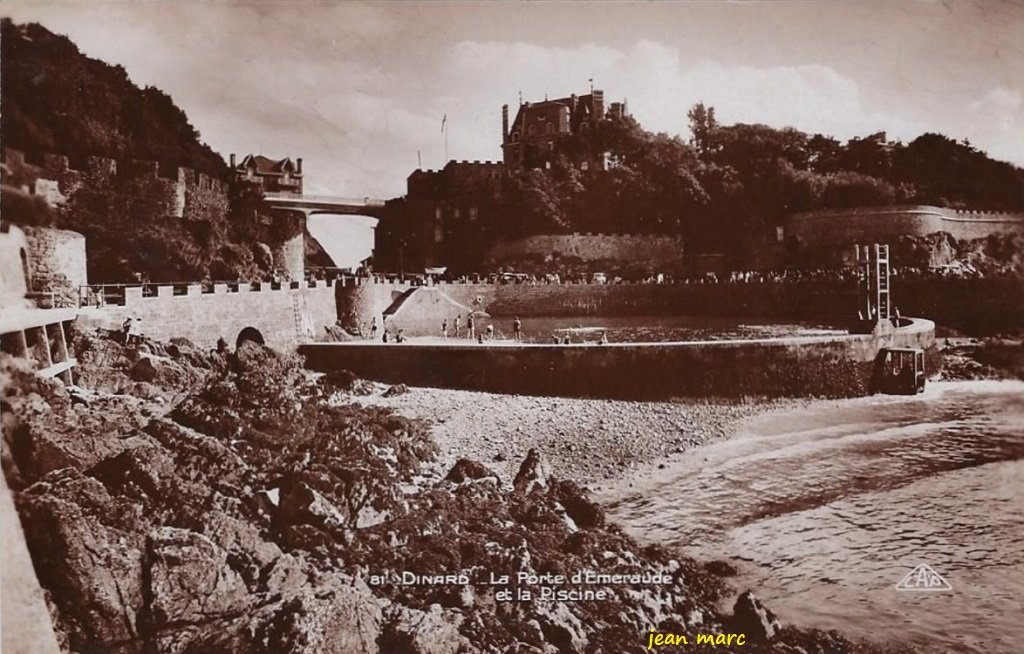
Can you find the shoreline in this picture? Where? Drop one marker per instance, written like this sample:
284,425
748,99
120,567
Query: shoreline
594,442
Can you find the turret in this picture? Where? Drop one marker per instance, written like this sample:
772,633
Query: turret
504,123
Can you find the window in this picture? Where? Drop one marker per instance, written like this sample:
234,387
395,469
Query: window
458,212
438,233
549,128
584,126
515,137
532,130
437,213
584,165
472,213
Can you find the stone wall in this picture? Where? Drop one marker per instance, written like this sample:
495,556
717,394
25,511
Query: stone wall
833,366
183,192
57,261
655,249
881,224
284,317
13,245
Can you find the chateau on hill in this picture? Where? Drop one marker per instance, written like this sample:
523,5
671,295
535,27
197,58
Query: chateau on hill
531,139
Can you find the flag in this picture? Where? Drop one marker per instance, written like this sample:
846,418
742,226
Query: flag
443,121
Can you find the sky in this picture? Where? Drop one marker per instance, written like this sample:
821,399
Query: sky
359,90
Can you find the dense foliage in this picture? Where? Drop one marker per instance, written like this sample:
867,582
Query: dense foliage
57,100
729,186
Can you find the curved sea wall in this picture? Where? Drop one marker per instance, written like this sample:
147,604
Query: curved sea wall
882,224
831,366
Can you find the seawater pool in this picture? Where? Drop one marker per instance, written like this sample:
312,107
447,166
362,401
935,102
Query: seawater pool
652,329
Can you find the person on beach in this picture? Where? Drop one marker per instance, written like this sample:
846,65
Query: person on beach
470,327
458,325
604,339
490,332
373,329
517,329
126,327
444,328
400,338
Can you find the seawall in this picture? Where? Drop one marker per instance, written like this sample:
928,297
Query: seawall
883,224
829,366
283,316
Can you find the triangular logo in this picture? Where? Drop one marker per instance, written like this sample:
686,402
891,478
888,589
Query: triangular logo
924,578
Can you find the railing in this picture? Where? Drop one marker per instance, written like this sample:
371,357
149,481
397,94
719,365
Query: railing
326,199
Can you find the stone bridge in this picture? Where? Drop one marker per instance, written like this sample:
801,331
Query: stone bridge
309,205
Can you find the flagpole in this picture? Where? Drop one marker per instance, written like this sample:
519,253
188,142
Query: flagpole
444,131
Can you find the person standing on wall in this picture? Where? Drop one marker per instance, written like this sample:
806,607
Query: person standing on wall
517,329
470,326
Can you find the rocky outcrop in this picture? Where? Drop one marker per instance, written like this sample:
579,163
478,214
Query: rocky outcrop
248,510
752,618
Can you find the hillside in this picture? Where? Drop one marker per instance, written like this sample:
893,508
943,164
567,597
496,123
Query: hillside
55,99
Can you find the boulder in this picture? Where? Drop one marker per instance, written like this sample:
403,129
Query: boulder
561,627
397,389
338,615
467,469
301,504
189,579
435,631
533,473
751,617
87,552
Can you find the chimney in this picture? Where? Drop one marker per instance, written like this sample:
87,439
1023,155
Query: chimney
572,102
232,159
504,123
597,102
298,165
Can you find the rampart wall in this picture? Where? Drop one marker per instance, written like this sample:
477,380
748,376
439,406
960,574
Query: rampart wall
57,262
284,316
657,249
833,366
883,224
184,192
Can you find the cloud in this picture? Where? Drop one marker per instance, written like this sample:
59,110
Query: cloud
659,86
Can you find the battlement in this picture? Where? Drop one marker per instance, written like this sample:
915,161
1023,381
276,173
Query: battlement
129,295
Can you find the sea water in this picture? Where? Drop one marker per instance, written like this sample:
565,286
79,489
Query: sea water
825,510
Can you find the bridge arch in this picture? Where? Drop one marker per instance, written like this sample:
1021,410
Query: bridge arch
249,334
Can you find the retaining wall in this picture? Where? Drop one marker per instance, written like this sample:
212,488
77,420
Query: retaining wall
834,366
883,224
284,317
57,260
656,249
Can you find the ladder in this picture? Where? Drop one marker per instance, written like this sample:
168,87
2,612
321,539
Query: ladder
873,263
